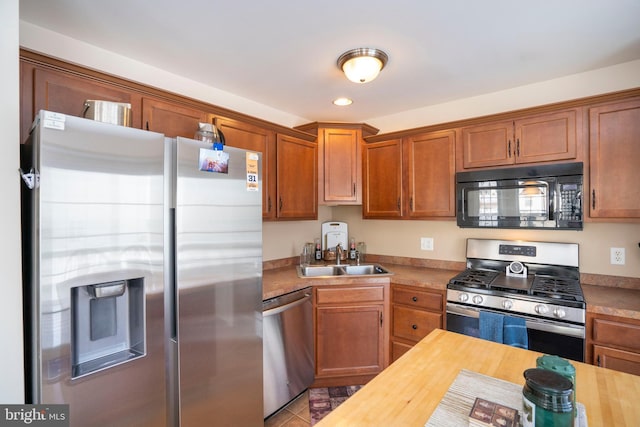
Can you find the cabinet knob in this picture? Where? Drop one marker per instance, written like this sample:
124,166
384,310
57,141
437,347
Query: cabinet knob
414,326
414,299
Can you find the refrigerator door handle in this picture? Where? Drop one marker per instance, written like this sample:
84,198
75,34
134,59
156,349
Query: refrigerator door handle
170,270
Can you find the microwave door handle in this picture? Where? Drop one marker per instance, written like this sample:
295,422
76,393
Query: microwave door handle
551,192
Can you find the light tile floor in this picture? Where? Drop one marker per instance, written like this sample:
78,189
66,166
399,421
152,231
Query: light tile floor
295,414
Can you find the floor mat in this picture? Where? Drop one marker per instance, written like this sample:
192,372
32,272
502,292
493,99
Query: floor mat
324,400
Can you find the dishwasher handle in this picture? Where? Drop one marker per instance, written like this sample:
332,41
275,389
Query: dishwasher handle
281,308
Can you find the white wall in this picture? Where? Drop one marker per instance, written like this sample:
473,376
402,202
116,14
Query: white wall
11,366
75,51
595,82
402,238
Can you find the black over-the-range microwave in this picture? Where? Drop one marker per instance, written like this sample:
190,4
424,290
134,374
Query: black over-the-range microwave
541,197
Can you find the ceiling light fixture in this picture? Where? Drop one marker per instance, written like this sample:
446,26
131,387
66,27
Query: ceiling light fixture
363,64
342,102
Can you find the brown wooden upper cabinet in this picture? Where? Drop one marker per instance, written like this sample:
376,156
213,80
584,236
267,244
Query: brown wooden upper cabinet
429,159
339,166
382,179
66,93
249,137
614,160
412,177
296,178
339,160
540,138
172,119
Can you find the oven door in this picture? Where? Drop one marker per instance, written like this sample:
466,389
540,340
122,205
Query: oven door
545,336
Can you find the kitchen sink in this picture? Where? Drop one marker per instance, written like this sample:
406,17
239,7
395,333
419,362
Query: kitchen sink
341,270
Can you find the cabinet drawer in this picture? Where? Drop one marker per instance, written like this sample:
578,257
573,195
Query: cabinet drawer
414,324
333,295
398,349
617,334
417,298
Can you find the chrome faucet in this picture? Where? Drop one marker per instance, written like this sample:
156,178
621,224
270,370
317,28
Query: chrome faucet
339,252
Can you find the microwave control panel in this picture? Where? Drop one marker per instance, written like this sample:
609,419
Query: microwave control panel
570,208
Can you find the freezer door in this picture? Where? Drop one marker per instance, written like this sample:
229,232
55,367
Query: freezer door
218,222
94,276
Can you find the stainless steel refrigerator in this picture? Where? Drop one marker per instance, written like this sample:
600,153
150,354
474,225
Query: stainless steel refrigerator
142,276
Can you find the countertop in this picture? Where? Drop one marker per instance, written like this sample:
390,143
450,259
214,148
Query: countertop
609,299
279,281
408,391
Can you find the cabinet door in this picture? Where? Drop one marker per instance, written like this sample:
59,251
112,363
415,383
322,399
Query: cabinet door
546,137
620,360
614,160
341,166
349,340
430,163
296,178
242,135
382,179
490,144
65,93
172,119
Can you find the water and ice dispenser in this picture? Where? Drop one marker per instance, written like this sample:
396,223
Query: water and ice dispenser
107,325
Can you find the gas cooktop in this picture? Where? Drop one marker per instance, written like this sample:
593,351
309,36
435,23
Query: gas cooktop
527,278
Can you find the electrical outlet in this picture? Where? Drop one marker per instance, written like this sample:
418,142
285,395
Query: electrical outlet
426,243
617,256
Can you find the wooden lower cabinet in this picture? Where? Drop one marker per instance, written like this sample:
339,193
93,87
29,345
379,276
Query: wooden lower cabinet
415,313
620,360
352,333
613,342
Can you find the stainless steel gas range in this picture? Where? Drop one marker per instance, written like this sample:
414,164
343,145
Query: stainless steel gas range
537,281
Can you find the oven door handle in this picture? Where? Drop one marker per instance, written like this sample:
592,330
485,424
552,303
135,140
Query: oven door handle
566,329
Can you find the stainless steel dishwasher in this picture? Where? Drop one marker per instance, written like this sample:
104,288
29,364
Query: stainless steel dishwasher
288,348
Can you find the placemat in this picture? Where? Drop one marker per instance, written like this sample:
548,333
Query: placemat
454,408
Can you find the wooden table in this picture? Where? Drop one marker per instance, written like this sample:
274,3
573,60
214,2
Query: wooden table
409,390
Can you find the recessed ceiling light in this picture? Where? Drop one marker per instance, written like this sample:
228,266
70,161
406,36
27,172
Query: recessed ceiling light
342,102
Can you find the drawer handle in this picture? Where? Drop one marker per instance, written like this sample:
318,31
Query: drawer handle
414,326
414,299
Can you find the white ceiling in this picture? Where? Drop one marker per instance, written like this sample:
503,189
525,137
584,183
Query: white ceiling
283,53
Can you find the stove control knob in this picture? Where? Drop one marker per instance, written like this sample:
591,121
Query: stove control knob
463,297
508,304
559,312
477,299
542,309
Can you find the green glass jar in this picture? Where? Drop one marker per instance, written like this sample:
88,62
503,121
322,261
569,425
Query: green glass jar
547,399
564,368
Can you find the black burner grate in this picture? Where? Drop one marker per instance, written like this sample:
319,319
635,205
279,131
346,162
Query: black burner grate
474,278
557,288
